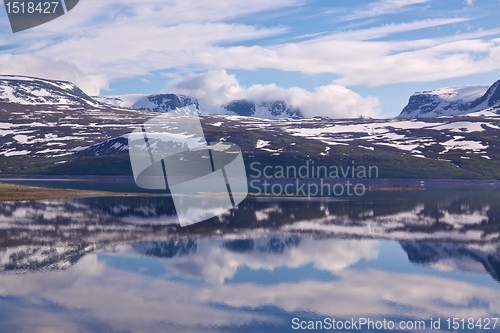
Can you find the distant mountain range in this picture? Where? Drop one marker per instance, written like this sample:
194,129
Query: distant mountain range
64,131
34,91
155,103
452,101
172,103
428,104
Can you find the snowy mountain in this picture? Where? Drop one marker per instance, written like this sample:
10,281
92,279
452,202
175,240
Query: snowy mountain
62,139
448,147
33,91
172,102
452,101
23,90
164,103
123,101
64,131
277,109
155,103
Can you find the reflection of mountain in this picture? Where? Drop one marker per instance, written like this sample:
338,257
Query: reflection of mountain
48,257
272,245
148,208
167,249
452,257
42,235
181,247
55,234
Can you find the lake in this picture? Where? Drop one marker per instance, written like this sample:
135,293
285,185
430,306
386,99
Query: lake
418,261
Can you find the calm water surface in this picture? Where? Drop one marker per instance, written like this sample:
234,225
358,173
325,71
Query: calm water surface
122,264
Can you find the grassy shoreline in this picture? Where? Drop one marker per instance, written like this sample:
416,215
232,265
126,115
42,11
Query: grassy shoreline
16,192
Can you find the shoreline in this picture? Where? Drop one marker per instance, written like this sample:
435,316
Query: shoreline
13,190
367,189
16,192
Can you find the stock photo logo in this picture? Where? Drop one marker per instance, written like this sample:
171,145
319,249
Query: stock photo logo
28,14
205,179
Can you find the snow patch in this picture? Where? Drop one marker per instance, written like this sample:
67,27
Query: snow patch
262,143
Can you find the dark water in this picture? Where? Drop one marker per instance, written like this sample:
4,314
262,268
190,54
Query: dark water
122,264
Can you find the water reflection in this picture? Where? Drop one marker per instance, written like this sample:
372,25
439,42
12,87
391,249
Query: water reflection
123,264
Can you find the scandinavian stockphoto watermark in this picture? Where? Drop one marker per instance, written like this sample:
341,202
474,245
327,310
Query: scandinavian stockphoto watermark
365,324
170,152
28,14
310,179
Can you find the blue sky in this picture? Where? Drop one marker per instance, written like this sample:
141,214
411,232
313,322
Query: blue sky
339,58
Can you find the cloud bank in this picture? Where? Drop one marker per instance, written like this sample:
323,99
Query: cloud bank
42,67
216,88
102,41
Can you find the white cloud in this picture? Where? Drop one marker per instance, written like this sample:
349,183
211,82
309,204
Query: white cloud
372,63
121,39
102,41
37,66
384,7
387,29
131,50
216,88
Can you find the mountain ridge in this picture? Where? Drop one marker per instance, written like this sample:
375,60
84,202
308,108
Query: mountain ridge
452,101
27,90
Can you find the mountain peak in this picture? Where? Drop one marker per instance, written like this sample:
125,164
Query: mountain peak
27,90
493,94
446,102
452,101
164,102
272,109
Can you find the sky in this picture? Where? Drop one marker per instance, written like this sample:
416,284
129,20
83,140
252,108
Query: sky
341,58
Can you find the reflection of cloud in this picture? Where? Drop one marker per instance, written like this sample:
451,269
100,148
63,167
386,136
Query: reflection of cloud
369,292
93,292
216,264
